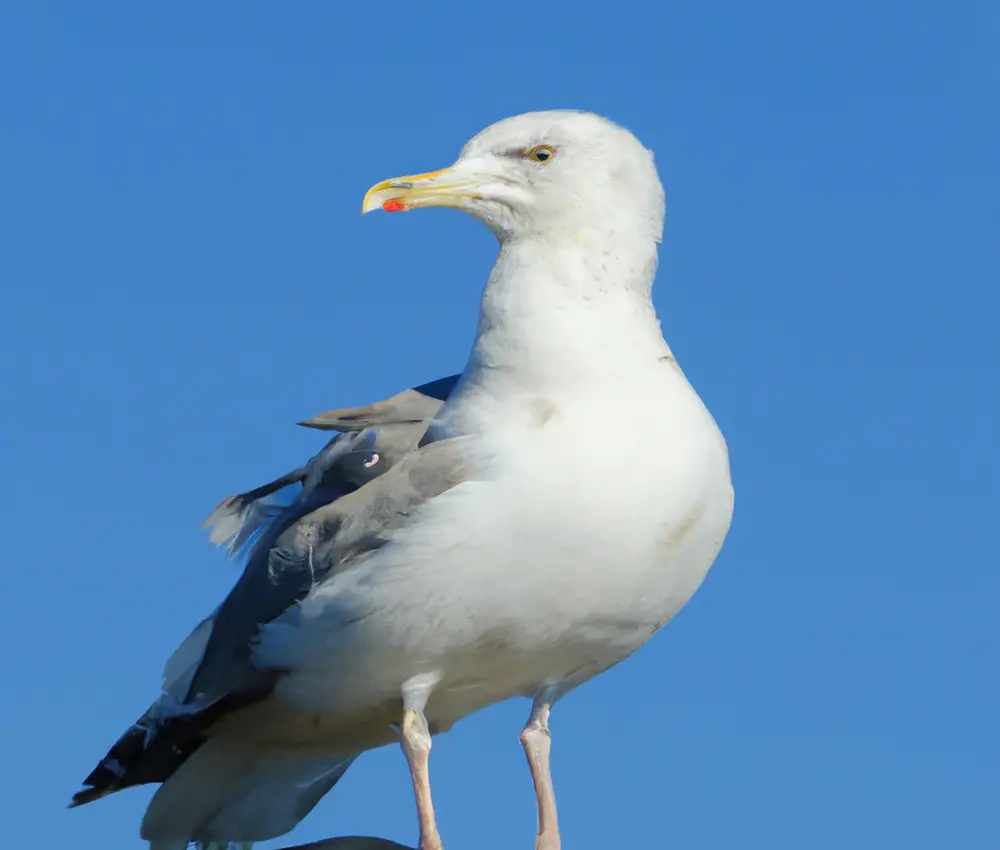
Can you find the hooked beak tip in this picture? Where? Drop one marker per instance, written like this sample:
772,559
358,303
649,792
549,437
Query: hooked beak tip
420,190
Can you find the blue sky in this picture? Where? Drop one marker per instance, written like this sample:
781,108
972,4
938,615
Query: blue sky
185,274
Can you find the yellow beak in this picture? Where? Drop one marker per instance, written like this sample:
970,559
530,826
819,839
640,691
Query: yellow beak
434,189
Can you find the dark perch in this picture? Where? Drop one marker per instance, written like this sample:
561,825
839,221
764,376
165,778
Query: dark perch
351,842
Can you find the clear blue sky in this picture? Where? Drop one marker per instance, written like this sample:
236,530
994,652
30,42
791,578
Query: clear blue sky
185,274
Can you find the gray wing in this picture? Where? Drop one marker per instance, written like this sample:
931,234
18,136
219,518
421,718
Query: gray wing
419,404
373,439
212,673
304,554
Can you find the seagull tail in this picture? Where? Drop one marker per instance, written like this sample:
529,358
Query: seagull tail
228,794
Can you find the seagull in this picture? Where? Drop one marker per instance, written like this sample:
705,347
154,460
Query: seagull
512,531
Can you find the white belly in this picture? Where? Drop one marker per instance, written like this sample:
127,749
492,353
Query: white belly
569,554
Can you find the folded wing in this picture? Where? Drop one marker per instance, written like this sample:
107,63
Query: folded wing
293,532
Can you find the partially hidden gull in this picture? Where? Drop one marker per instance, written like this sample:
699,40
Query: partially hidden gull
512,531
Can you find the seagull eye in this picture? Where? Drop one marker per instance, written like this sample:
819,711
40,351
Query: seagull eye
541,153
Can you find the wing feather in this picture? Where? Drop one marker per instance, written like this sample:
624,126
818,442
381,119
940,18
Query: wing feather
347,502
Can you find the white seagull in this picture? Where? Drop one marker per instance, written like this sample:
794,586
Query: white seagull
564,502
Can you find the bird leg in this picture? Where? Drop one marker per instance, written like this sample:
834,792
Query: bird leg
416,742
537,743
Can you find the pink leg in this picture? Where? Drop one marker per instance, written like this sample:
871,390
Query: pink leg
537,743
416,741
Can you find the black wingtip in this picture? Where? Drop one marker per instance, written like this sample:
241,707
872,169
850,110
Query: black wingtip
84,796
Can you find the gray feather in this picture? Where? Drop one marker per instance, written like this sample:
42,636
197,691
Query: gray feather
211,674
373,439
419,404
309,550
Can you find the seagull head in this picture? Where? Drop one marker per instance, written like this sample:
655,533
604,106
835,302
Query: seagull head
546,174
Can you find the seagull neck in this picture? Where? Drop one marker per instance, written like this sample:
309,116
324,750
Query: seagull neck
569,310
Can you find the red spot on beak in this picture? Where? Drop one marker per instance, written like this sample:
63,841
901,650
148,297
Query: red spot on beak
394,206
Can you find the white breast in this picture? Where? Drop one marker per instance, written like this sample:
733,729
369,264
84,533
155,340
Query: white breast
584,537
